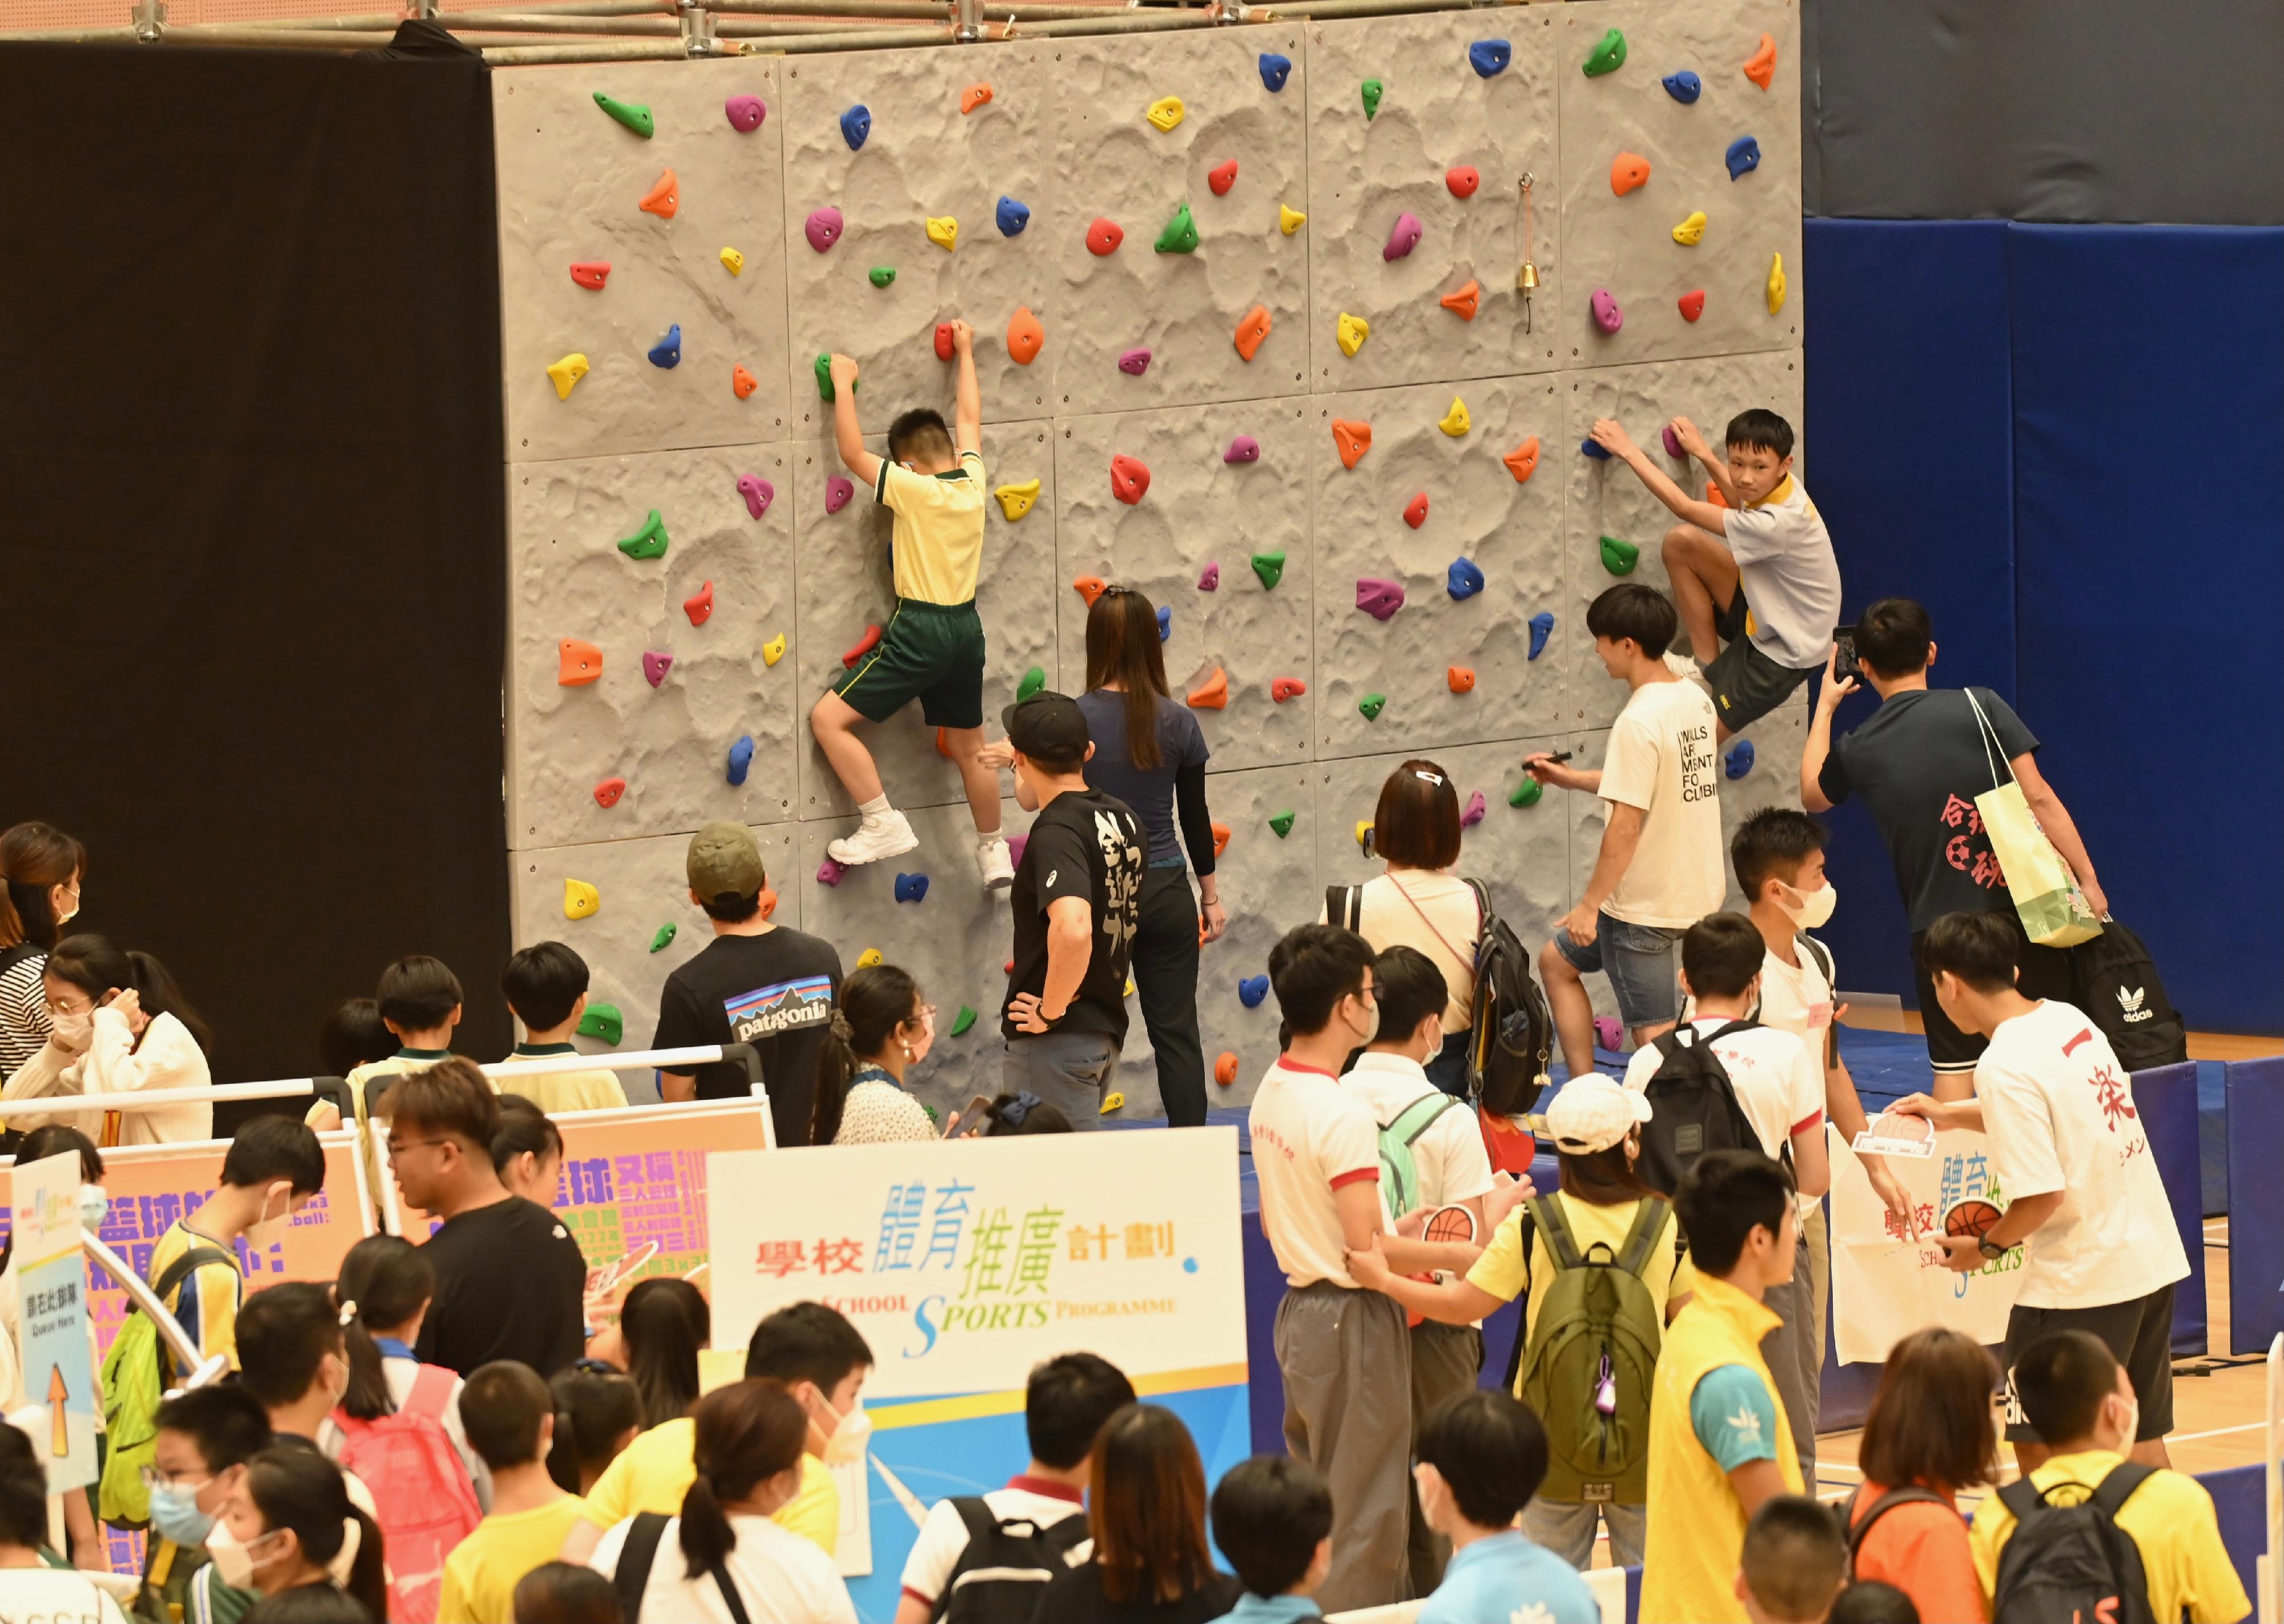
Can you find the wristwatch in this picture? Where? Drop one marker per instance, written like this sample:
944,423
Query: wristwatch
1988,1248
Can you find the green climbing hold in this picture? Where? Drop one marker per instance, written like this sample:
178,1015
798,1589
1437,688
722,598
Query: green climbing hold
1282,823
603,1020
1619,558
1371,704
1270,566
882,275
1527,792
1034,680
1608,57
1180,235
962,1022
1373,91
664,935
634,115
825,378
647,542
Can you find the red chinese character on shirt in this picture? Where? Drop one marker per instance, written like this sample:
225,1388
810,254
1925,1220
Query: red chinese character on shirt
2117,1104
1956,811
839,1257
780,1257
1987,872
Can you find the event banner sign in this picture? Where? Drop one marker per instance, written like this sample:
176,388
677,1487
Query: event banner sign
1885,1285
51,1301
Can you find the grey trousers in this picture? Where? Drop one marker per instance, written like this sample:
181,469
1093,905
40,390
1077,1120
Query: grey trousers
1347,1365
1066,1069
1445,1360
1795,1350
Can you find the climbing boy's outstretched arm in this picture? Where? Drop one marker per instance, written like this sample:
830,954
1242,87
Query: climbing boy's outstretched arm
1613,439
967,406
847,434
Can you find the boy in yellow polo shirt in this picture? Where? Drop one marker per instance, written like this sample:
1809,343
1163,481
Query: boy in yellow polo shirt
1720,1444
545,985
510,1423
932,649
2080,1401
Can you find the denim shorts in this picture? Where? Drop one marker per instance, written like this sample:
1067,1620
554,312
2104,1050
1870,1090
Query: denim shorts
1640,960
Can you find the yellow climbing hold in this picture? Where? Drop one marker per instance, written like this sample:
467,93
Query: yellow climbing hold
1776,285
1113,1101
580,900
1353,330
1456,421
773,650
1016,500
1692,230
943,232
1363,836
1290,220
1166,112
566,372
1130,987
733,262
869,957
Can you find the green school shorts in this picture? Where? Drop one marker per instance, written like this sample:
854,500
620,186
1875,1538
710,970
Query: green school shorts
931,652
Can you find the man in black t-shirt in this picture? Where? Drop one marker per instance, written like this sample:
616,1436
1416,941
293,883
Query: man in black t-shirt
1077,896
754,983
1919,762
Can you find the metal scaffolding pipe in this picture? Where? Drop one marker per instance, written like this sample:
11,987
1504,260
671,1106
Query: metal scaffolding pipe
664,28
631,50
926,10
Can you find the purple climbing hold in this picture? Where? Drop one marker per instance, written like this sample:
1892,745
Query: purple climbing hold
1610,1032
837,492
1015,845
912,887
1587,447
1378,597
1274,69
1607,317
1542,626
1744,156
822,228
1165,622
1210,577
758,493
655,666
1473,814
745,113
1673,444
829,872
741,759
1404,239
1134,362
1251,990
1463,580
1244,449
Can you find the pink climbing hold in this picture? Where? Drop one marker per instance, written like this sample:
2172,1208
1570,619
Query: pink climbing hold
1134,362
837,493
1379,597
1103,236
830,873
1607,317
1244,449
822,228
1286,688
1415,512
1610,1032
758,493
1473,814
1221,177
1210,577
1673,443
1462,179
1129,479
944,351
655,666
1015,845
1404,239
745,114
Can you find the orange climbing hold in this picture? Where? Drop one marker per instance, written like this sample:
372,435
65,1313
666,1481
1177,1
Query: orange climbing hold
1713,495
1251,331
1461,179
866,644
1213,693
1628,170
579,663
607,793
1461,301
942,745
1089,588
974,96
742,383
1130,478
1461,678
1221,838
1522,462
1353,441
1284,688
1103,236
1025,336
663,199
1226,1068
1761,66
700,605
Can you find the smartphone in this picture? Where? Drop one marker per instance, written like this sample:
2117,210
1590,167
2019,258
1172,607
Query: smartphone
1844,668
1560,755
973,1118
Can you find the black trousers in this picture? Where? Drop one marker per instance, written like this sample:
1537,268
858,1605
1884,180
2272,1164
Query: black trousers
1165,963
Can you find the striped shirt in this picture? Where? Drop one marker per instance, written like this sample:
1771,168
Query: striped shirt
24,1022
205,1305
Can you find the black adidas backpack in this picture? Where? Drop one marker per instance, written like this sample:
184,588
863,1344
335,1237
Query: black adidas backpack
2072,1561
2114,981
1693,1109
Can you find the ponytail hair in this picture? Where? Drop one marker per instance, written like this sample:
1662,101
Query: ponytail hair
874,1001
91,964
665,1322
746,1434
35,859
294,1486
385,1280
1123,646
594,1408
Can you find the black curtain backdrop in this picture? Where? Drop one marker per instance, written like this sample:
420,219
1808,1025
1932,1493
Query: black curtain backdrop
252,517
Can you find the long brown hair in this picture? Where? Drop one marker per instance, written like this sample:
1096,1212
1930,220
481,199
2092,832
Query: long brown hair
1146,1506
1123,647
1603,1178
95,966
1930,1421
875,1000
35,858
744,1435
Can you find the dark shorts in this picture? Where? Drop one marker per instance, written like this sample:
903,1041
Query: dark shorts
931,652
2138,1331
1747,684
2040,972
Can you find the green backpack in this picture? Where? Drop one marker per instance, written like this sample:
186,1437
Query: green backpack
1399,1170
1591,1360
134,1381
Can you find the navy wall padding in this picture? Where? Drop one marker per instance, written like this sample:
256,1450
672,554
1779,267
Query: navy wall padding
2166,1097
2256,1205
2240,1497
2150,590
1907,451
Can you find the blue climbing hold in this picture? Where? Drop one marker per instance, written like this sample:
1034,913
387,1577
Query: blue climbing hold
912,887
1463,579
1165,622
1274,69
856,124
741,759
1744,156
1542,626
1738,761
1013,217
1252,990
1685,87
1589,449
668,351
1489,57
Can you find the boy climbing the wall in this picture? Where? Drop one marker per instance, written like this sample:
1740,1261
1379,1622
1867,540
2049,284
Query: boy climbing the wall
1756,568
932,649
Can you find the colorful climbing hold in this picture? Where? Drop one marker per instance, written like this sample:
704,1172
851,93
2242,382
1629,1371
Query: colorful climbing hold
1542,626
1221,833
1760,67
1604,305
1212,694
1103,236
580,900
1462,302
1017,500
1489,57
1463,580
838,490
1415,512
1250,331
1115,1100
732,261
590,274
1270,566
1226,1068
1473,812
1130,478
1222,176
1372,91
1379,597
943,232
1673,443
1290,220
1012,217
1165,622
1165,113
700,605
1461,679
742,760
1403,238
1180,235
1608,57
1363,833
607,793
1587,447
942,744
1252,989
773,650
647,542
1691,231
974,96
1134,362
636,117
1522,462
1280,824
1527,792
882,275
869,957
856,124
943,350
605,1022
964,1021
1371,705
1350,332
1685,87
1628,172
1619,558
1284,688
577,663
1692,304
1776,285
1744,156
1034,681
1089,588
667,353
661,937
1274,70
1025,336
831,873
1210,577
662,198
744,112
1456,421
1610,1032
863,647
566,372
823,369
1351,440
912,887
655,665
1462,179
1738,761
742,383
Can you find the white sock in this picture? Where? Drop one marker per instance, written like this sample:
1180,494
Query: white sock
875,810
985,837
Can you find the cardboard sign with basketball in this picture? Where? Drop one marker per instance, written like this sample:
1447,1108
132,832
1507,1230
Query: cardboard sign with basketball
1970,1217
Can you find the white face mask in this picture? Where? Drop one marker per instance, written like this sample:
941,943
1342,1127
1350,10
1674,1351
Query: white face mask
93,1204
234,1563
1371,1024
73,1030
1810,909
2132,1425
850,1437
266,1231
65,916
916,1052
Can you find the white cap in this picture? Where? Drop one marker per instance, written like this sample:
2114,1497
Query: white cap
1594,1113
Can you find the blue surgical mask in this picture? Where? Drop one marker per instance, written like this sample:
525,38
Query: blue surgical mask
93,1204
174,1513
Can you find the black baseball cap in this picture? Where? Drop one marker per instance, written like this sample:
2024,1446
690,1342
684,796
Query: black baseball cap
1048,726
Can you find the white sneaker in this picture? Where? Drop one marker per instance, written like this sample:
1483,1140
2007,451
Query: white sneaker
1683,667
998,863
890,836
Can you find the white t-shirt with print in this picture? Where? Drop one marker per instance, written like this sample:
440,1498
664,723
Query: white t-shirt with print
1662,759
1771,1086
781,1578
1797,998
1448,1155
943,1536
54,1596
2057,1107
1435,913
1311,1137
1790,578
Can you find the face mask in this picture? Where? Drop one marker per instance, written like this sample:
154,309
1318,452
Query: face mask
234,1563
93,1204
75,1030
915,1053
267,1231
849,1438
1810,909
2132,1425
65,916
1371,1025
174,1513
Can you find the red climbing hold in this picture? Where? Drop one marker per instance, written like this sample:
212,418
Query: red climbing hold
943,341
1693,304
866,644
1353,441
1461,678
1415,512
1462,179
742,383
700,605
591,273
1129,479
1089,588
1213,693
578,663
1461,301
663,199
1226,1068
1251,331
1286,688
1761,66
1103,236
1221,838
1025,336
1628,170
1221,177
607,793
942,745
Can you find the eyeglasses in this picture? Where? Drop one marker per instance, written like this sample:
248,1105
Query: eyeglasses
153,1477
397,1150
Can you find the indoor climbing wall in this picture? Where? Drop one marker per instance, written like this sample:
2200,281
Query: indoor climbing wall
1253,336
